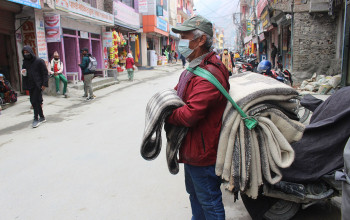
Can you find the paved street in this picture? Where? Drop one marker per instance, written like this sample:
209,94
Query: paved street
85,162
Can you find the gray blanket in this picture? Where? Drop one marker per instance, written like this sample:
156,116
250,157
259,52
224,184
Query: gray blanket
159,107
246,158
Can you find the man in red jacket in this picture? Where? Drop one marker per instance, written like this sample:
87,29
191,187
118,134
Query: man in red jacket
202,114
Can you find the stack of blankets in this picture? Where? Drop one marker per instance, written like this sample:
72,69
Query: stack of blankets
159,107
248,158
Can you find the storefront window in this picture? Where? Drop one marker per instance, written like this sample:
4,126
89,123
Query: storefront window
69,31
128,3
97,36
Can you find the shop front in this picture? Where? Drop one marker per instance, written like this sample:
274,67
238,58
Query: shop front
8,54
73,27
157,33
262,46
126,35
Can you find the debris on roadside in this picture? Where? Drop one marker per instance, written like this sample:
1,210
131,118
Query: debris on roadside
321,84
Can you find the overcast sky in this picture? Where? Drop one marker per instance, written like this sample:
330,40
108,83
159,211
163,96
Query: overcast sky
220,12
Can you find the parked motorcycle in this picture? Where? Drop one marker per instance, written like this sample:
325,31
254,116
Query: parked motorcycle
265,68
284,199
293,196
249,65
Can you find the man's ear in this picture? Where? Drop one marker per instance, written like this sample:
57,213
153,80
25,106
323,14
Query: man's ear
202,41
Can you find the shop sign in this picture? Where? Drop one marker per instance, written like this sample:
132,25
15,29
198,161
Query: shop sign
31,3
84,35
265,18
143,8
18,37
52,27
107,39
165,15
125,14
262,37
28,32
40,35
162,25
85,9
132,37
249,27
247,39
260,7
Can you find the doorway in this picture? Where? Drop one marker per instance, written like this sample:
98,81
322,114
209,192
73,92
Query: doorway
7,62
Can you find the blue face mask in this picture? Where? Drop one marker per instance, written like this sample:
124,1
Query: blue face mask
184,48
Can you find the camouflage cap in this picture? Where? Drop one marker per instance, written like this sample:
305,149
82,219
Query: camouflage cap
196,22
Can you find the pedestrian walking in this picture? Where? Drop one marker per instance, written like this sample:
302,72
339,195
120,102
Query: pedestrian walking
202,115
130,66
56,68
226,60
35,79
176,56
183,59
273,54
170,57
88,75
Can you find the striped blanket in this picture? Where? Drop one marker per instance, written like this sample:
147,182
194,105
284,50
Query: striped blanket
159,107
247,157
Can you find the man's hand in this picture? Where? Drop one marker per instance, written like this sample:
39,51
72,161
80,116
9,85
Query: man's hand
55,73
43,88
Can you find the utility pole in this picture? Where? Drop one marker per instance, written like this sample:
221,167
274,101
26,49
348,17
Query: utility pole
256,23
237,23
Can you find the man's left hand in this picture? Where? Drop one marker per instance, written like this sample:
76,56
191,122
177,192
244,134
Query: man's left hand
43,88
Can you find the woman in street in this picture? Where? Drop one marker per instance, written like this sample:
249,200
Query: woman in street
226,60
56,68
130,67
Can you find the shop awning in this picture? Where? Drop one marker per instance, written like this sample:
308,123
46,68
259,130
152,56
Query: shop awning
154,24
81,11
127,27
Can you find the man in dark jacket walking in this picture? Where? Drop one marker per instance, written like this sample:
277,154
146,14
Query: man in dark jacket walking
35,79
273,54
88,75
202,114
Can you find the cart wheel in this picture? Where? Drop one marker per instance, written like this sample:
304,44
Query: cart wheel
282,210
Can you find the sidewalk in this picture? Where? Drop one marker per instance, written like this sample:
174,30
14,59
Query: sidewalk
20,114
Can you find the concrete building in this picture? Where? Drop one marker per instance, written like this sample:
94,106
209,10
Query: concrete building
308,34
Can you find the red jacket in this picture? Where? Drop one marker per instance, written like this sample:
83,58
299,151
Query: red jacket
129,63
202,114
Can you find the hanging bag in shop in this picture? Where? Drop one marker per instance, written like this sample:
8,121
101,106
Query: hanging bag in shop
92,64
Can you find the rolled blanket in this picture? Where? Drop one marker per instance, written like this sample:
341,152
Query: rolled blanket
159,107
245,157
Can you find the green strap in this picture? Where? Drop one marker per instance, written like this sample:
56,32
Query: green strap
249,122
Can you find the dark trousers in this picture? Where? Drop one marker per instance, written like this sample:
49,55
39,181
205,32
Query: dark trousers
203,186
183,62
36,99
273,61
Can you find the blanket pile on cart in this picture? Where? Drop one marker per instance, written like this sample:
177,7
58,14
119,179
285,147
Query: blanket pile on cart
159,107
246,157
